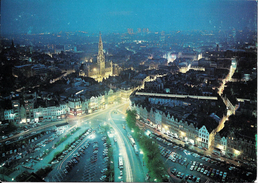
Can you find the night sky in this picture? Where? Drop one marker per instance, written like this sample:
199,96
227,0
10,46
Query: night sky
39,16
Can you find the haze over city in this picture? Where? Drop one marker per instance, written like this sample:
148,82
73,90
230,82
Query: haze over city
128,91
28,16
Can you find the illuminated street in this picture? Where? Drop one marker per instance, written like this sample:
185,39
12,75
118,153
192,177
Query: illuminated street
128,91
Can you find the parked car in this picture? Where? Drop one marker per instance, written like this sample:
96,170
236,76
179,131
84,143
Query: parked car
198,179
178,174
173,171
191,168
205,172
182,175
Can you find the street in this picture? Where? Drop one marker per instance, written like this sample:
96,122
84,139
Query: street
132,171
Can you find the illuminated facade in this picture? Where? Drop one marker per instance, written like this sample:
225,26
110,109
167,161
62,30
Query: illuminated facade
75,106
50,113
100,70
181,129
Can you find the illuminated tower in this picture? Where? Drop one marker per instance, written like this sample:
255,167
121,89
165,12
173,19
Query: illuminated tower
101,57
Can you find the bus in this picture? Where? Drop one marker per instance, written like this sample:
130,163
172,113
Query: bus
136,149
132,141
120,163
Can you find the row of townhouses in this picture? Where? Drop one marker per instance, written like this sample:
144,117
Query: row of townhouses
201,135
31,108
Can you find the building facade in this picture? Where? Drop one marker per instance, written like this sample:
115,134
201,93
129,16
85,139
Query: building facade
100,70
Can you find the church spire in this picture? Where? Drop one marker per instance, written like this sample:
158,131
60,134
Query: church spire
101,57
12,46
100,44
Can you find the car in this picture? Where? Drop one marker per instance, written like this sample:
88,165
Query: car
191,168
103,177
75,161
196,167
182,175
178,174
194,162
231,168
65,171
212,174
217,172
190,177
205,172
223,179
198,179
208,174
105,169
220,173
121,173
186,176
184,162
224,174
173,171
194,178
199,169
202,170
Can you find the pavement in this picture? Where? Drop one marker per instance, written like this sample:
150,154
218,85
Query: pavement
45,162
196,149
136,167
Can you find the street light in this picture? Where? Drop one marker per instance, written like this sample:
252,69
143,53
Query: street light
183,134
237,152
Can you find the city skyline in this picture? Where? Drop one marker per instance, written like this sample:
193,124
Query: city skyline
32,17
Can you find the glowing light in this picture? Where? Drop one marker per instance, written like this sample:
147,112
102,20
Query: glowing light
198,139
183,134
237,152
92,136
220,146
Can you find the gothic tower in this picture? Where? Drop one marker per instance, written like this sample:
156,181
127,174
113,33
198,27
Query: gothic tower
101,58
